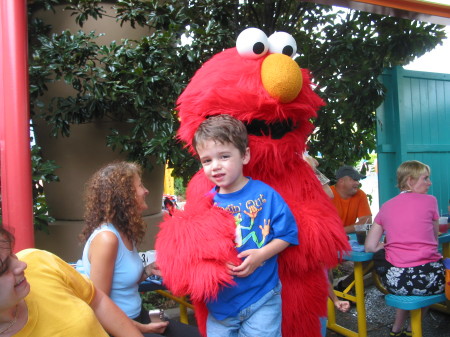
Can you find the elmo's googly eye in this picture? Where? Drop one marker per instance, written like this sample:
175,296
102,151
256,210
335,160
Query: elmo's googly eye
282,43
252,43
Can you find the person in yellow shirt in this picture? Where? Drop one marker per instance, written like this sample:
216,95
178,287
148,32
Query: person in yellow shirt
41,295
349,200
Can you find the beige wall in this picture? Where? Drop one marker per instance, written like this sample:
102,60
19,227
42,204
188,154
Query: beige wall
63,239
84,152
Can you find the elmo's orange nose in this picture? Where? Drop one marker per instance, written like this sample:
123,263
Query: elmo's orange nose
281,77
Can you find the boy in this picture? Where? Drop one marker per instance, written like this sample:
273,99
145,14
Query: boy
264,227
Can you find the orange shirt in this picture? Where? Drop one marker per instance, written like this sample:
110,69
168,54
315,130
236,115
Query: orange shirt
352,208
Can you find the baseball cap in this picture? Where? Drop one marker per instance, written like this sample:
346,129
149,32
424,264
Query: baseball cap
346,170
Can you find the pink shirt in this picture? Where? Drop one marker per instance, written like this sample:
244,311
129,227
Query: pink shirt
407,220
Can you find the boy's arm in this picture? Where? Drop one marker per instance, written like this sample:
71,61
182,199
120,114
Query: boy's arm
256,257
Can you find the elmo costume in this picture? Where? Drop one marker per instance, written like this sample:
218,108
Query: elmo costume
260,84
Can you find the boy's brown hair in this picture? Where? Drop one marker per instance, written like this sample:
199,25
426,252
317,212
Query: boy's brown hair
223,129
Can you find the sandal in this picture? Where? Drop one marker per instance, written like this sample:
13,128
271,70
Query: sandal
407,333
397,334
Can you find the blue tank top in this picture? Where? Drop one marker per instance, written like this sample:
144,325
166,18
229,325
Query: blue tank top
128,270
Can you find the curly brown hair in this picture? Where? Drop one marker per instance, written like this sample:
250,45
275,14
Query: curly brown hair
110,196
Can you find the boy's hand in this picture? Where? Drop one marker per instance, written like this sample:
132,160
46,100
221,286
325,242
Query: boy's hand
253,258
231,267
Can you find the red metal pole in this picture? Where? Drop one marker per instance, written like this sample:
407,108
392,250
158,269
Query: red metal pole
17,204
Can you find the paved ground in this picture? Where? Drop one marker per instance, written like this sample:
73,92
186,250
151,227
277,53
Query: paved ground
380,318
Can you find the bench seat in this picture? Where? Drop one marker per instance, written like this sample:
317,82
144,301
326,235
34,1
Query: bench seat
414,304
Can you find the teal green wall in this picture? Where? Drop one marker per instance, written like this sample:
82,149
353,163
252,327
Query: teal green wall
414,123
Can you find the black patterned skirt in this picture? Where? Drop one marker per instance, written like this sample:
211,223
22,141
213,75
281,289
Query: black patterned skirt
426,279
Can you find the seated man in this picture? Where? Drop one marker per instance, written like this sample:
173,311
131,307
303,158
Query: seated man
350,201
352,206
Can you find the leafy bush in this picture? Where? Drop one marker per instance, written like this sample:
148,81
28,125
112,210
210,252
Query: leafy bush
138,81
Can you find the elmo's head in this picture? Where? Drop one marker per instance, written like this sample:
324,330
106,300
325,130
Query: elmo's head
258,83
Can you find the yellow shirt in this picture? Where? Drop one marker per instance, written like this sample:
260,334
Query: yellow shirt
58,302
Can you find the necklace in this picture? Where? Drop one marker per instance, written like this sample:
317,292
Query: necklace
12,322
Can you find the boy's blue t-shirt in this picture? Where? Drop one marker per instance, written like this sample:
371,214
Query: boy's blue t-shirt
255,207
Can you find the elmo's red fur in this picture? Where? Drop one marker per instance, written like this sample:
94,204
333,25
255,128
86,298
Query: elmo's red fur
194,245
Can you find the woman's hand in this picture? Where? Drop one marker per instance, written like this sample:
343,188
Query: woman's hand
342,306
154,269
149,270
157,327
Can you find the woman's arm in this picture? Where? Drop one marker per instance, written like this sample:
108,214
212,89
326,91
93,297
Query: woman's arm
436,228
328,191
112,318
102,255
373,243
342,306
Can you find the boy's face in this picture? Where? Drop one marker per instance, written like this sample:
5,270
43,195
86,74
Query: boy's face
223,165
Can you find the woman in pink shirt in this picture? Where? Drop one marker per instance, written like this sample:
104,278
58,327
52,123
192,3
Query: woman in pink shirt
412,264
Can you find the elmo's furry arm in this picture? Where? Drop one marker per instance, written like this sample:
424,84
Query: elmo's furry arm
302,268
321,235
194,247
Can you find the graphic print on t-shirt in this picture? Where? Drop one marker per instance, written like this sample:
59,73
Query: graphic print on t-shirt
245,218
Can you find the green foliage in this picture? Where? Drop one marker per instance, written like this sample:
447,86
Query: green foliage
345,52
138,82
372,158
134,81
180,187
358,47
153,300
42,171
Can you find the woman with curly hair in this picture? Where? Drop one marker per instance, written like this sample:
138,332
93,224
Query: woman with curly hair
115,200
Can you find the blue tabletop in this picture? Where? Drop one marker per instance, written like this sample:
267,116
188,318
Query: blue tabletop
357,254
363,256
444,238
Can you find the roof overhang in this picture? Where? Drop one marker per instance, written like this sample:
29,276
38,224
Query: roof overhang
430,11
